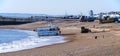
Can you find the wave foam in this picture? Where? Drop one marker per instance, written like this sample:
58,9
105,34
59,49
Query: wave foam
32,41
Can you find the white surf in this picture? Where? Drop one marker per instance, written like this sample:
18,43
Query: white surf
12,40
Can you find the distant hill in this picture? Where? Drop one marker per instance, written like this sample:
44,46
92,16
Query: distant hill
20,15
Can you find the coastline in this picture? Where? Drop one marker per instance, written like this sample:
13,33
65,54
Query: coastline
79,44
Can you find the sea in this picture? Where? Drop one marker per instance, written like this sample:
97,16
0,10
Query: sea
12,40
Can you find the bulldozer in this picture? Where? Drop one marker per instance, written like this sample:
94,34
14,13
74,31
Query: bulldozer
85,30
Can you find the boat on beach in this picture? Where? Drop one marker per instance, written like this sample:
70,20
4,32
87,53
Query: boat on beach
48,31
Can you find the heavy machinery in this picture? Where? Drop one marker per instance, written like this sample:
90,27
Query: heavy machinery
85,30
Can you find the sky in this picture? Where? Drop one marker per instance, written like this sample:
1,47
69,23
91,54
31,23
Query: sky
58,7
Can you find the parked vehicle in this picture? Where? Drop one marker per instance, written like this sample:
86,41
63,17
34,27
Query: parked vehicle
48,31
106,19
86,19
109,20
117,20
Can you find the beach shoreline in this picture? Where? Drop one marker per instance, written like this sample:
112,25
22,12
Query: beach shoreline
79,44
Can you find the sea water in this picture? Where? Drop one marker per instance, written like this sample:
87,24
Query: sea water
14,40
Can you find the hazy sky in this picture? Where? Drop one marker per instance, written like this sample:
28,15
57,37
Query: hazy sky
58,7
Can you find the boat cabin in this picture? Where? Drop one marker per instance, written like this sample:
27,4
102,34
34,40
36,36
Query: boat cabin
48,31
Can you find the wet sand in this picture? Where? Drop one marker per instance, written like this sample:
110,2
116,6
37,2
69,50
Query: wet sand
80,44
